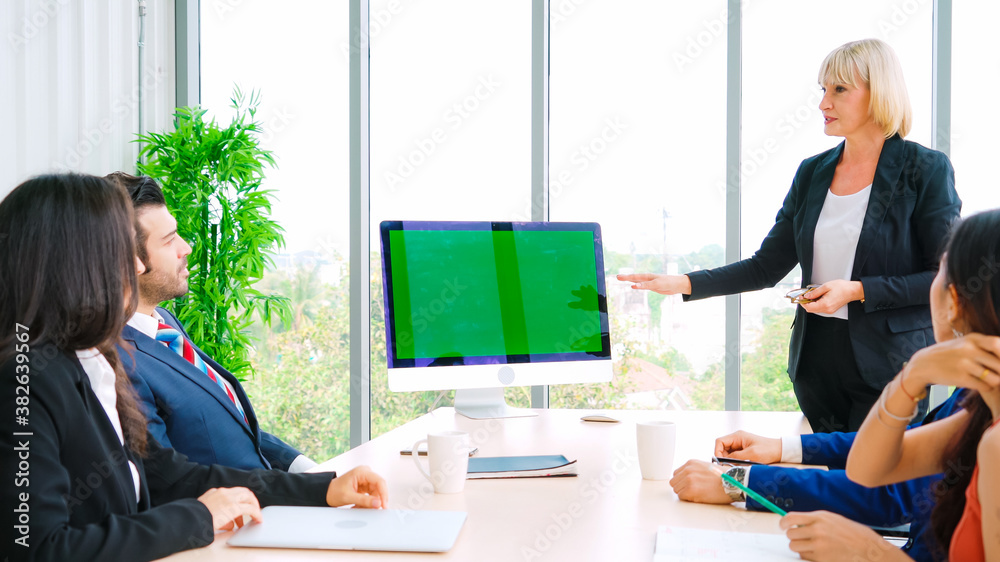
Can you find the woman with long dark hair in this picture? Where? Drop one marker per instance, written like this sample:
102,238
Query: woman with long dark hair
965,447
82,479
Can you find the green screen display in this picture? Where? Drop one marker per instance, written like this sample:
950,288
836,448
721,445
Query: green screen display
474,293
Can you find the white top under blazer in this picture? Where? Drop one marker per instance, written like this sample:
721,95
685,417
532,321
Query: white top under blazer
836,239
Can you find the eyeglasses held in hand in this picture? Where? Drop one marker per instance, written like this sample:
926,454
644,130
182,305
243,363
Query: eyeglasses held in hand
797,296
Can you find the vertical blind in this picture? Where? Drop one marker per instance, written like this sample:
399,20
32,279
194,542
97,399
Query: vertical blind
69,78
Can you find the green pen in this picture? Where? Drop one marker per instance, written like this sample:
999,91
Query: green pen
750,493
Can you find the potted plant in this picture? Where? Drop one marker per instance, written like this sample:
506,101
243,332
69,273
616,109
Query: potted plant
212,177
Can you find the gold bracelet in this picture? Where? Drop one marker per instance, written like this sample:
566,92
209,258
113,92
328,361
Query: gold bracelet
902,376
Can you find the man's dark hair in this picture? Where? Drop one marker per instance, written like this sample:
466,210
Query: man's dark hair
67,272
144,192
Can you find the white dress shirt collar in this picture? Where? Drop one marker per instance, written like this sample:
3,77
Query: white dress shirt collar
145,323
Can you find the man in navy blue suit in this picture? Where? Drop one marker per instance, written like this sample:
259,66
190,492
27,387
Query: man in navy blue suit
193,404
803,489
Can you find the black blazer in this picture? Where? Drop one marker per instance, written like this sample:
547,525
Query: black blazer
911,208
190,413
81,502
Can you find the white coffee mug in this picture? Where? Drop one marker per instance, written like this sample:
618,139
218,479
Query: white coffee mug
656,440
448,458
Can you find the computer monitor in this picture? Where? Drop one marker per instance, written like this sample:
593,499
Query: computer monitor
479,306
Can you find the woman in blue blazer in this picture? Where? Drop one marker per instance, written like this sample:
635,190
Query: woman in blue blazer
865,221
83,480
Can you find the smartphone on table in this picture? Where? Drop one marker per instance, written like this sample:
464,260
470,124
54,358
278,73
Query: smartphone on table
423,452
728,460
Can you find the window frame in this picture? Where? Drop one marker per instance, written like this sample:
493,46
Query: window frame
187,60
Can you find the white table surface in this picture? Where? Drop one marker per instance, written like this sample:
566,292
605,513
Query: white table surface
608,512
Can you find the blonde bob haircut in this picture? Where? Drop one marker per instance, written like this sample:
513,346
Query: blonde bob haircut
875,63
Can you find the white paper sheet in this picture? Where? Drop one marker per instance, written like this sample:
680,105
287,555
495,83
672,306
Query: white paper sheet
677,544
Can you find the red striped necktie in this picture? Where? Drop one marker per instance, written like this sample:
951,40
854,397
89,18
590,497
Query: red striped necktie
173,339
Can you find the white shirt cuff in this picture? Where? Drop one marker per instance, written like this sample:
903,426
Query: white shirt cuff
301,463
791,449
746,478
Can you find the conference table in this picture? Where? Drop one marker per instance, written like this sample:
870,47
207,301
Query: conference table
607,512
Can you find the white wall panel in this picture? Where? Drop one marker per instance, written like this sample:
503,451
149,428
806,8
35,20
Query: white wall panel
69,81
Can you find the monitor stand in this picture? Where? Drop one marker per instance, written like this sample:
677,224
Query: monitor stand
486,403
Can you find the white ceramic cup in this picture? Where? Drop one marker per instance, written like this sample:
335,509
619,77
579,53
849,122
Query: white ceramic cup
656,441
448,459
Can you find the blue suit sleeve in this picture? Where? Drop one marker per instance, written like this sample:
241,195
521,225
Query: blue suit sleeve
827,449
795,489
277,452
831,449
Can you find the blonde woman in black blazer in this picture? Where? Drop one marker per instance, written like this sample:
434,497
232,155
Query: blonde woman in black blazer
887,246
82,478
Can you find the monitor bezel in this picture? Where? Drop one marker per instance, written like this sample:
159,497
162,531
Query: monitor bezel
394,362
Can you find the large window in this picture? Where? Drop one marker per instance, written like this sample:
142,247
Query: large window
295,55
638,145
450,139
975,74
637,142
781,126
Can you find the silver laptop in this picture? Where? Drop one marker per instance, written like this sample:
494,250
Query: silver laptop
352,529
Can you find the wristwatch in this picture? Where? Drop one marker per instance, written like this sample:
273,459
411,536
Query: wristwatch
739,474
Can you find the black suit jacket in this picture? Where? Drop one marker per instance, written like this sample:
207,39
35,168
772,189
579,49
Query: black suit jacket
81,502
910,210
190,413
